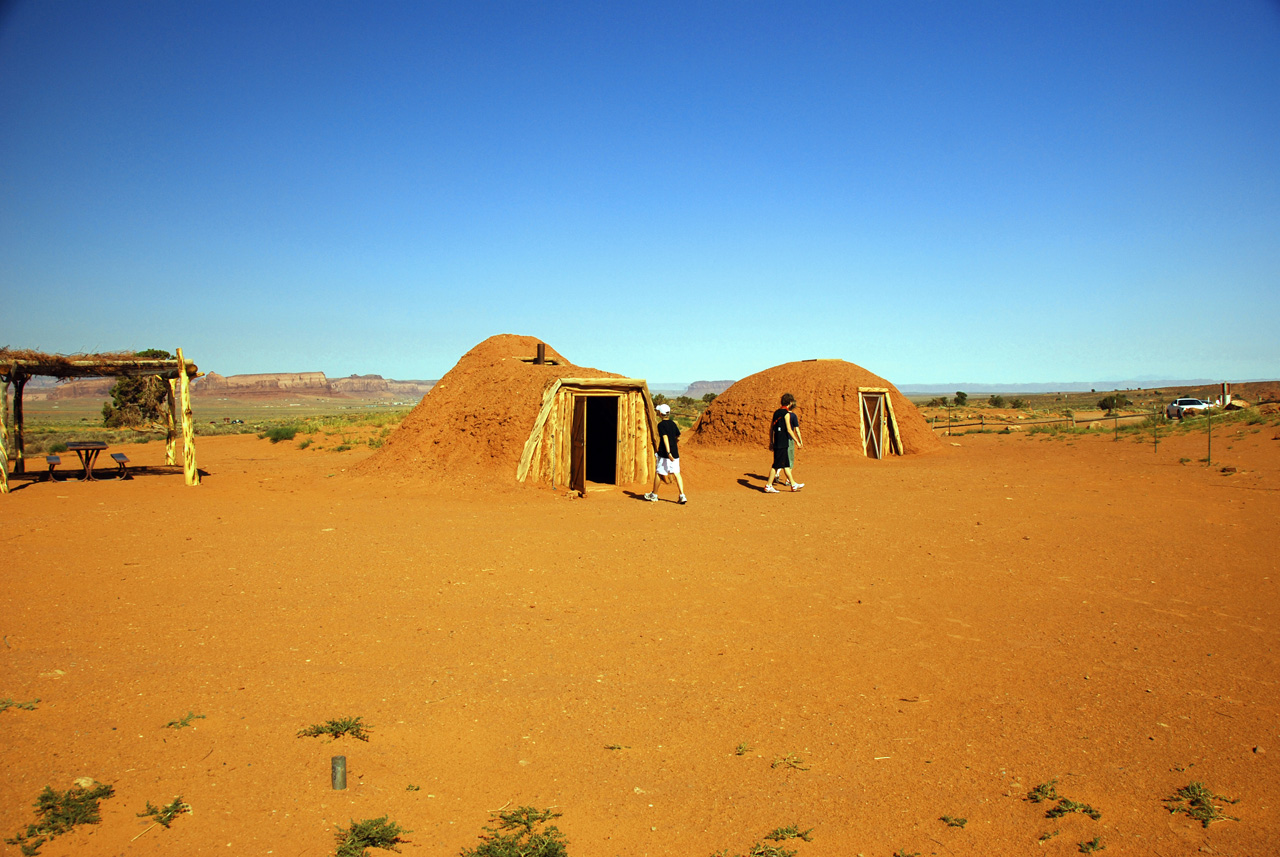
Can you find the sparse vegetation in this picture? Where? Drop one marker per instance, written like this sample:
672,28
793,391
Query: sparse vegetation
370,833
1066,807
950,821
275,434
791,760
1094,844
335,729
521,832
791,831
996,400
6,704
165,815
58,812
1197,801
742,749
1044,792
184,722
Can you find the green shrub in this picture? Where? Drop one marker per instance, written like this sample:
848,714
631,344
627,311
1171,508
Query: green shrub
370,833
58,812
517,834
335,729
279,433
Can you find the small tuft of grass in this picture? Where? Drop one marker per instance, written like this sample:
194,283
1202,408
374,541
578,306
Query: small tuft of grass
6,704
335,729
1045,837
1197,801
370,833
522,832
742,749
184,722
791,760
1066,807
954,822
791,831
616,747
1094,844
58,812
902,853
412,788
165,815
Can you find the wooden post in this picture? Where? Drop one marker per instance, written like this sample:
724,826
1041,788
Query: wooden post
1208,456
171,434
19,446
4,436
190,470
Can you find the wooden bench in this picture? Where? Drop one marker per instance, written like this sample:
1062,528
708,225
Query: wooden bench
121,459
53,461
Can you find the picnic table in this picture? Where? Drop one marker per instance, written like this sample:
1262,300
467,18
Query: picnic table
87,450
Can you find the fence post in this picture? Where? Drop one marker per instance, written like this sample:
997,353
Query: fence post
1208,457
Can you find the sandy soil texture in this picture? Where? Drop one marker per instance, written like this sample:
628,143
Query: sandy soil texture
900,641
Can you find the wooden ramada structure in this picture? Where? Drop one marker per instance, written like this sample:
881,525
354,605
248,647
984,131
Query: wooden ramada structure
19,366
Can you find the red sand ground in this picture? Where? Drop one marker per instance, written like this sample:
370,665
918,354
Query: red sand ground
932,635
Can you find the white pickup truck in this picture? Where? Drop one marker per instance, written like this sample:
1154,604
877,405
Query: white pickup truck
1179,407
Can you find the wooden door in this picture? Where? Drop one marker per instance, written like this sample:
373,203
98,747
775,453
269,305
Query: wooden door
578,447
873,424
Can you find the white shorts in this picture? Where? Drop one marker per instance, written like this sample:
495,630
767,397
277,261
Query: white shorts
668,466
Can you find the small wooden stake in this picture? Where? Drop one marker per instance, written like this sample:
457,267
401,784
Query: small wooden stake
338,771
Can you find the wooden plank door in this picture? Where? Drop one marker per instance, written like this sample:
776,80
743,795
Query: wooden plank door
578,447
872,424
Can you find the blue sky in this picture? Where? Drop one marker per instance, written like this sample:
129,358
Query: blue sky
1001,192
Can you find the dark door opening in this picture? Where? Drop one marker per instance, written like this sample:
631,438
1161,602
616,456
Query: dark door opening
602,439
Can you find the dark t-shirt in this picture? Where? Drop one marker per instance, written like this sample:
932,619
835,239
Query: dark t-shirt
779,427
669,429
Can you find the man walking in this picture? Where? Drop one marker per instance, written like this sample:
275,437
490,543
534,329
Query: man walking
784,437
668,455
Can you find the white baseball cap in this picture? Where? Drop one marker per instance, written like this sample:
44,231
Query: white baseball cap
663,409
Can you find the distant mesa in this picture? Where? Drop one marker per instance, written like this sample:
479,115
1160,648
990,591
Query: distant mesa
828,394
698,389
316,384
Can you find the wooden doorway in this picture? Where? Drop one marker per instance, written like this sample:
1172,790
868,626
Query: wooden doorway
594,439
879,427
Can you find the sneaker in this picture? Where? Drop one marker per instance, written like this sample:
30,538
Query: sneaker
796,486
683,499
651,497
769,489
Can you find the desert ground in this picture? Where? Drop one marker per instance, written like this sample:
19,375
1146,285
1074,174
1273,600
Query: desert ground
926,636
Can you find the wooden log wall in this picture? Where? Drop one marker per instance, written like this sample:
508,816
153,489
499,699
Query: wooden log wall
4,440
549,451
189,468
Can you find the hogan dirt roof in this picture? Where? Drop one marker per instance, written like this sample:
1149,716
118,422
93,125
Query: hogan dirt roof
475,421
826,394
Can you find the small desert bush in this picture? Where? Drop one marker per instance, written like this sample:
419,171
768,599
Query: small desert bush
1197,801
335,729
58,812
275,434
370,833
522,832
164,815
